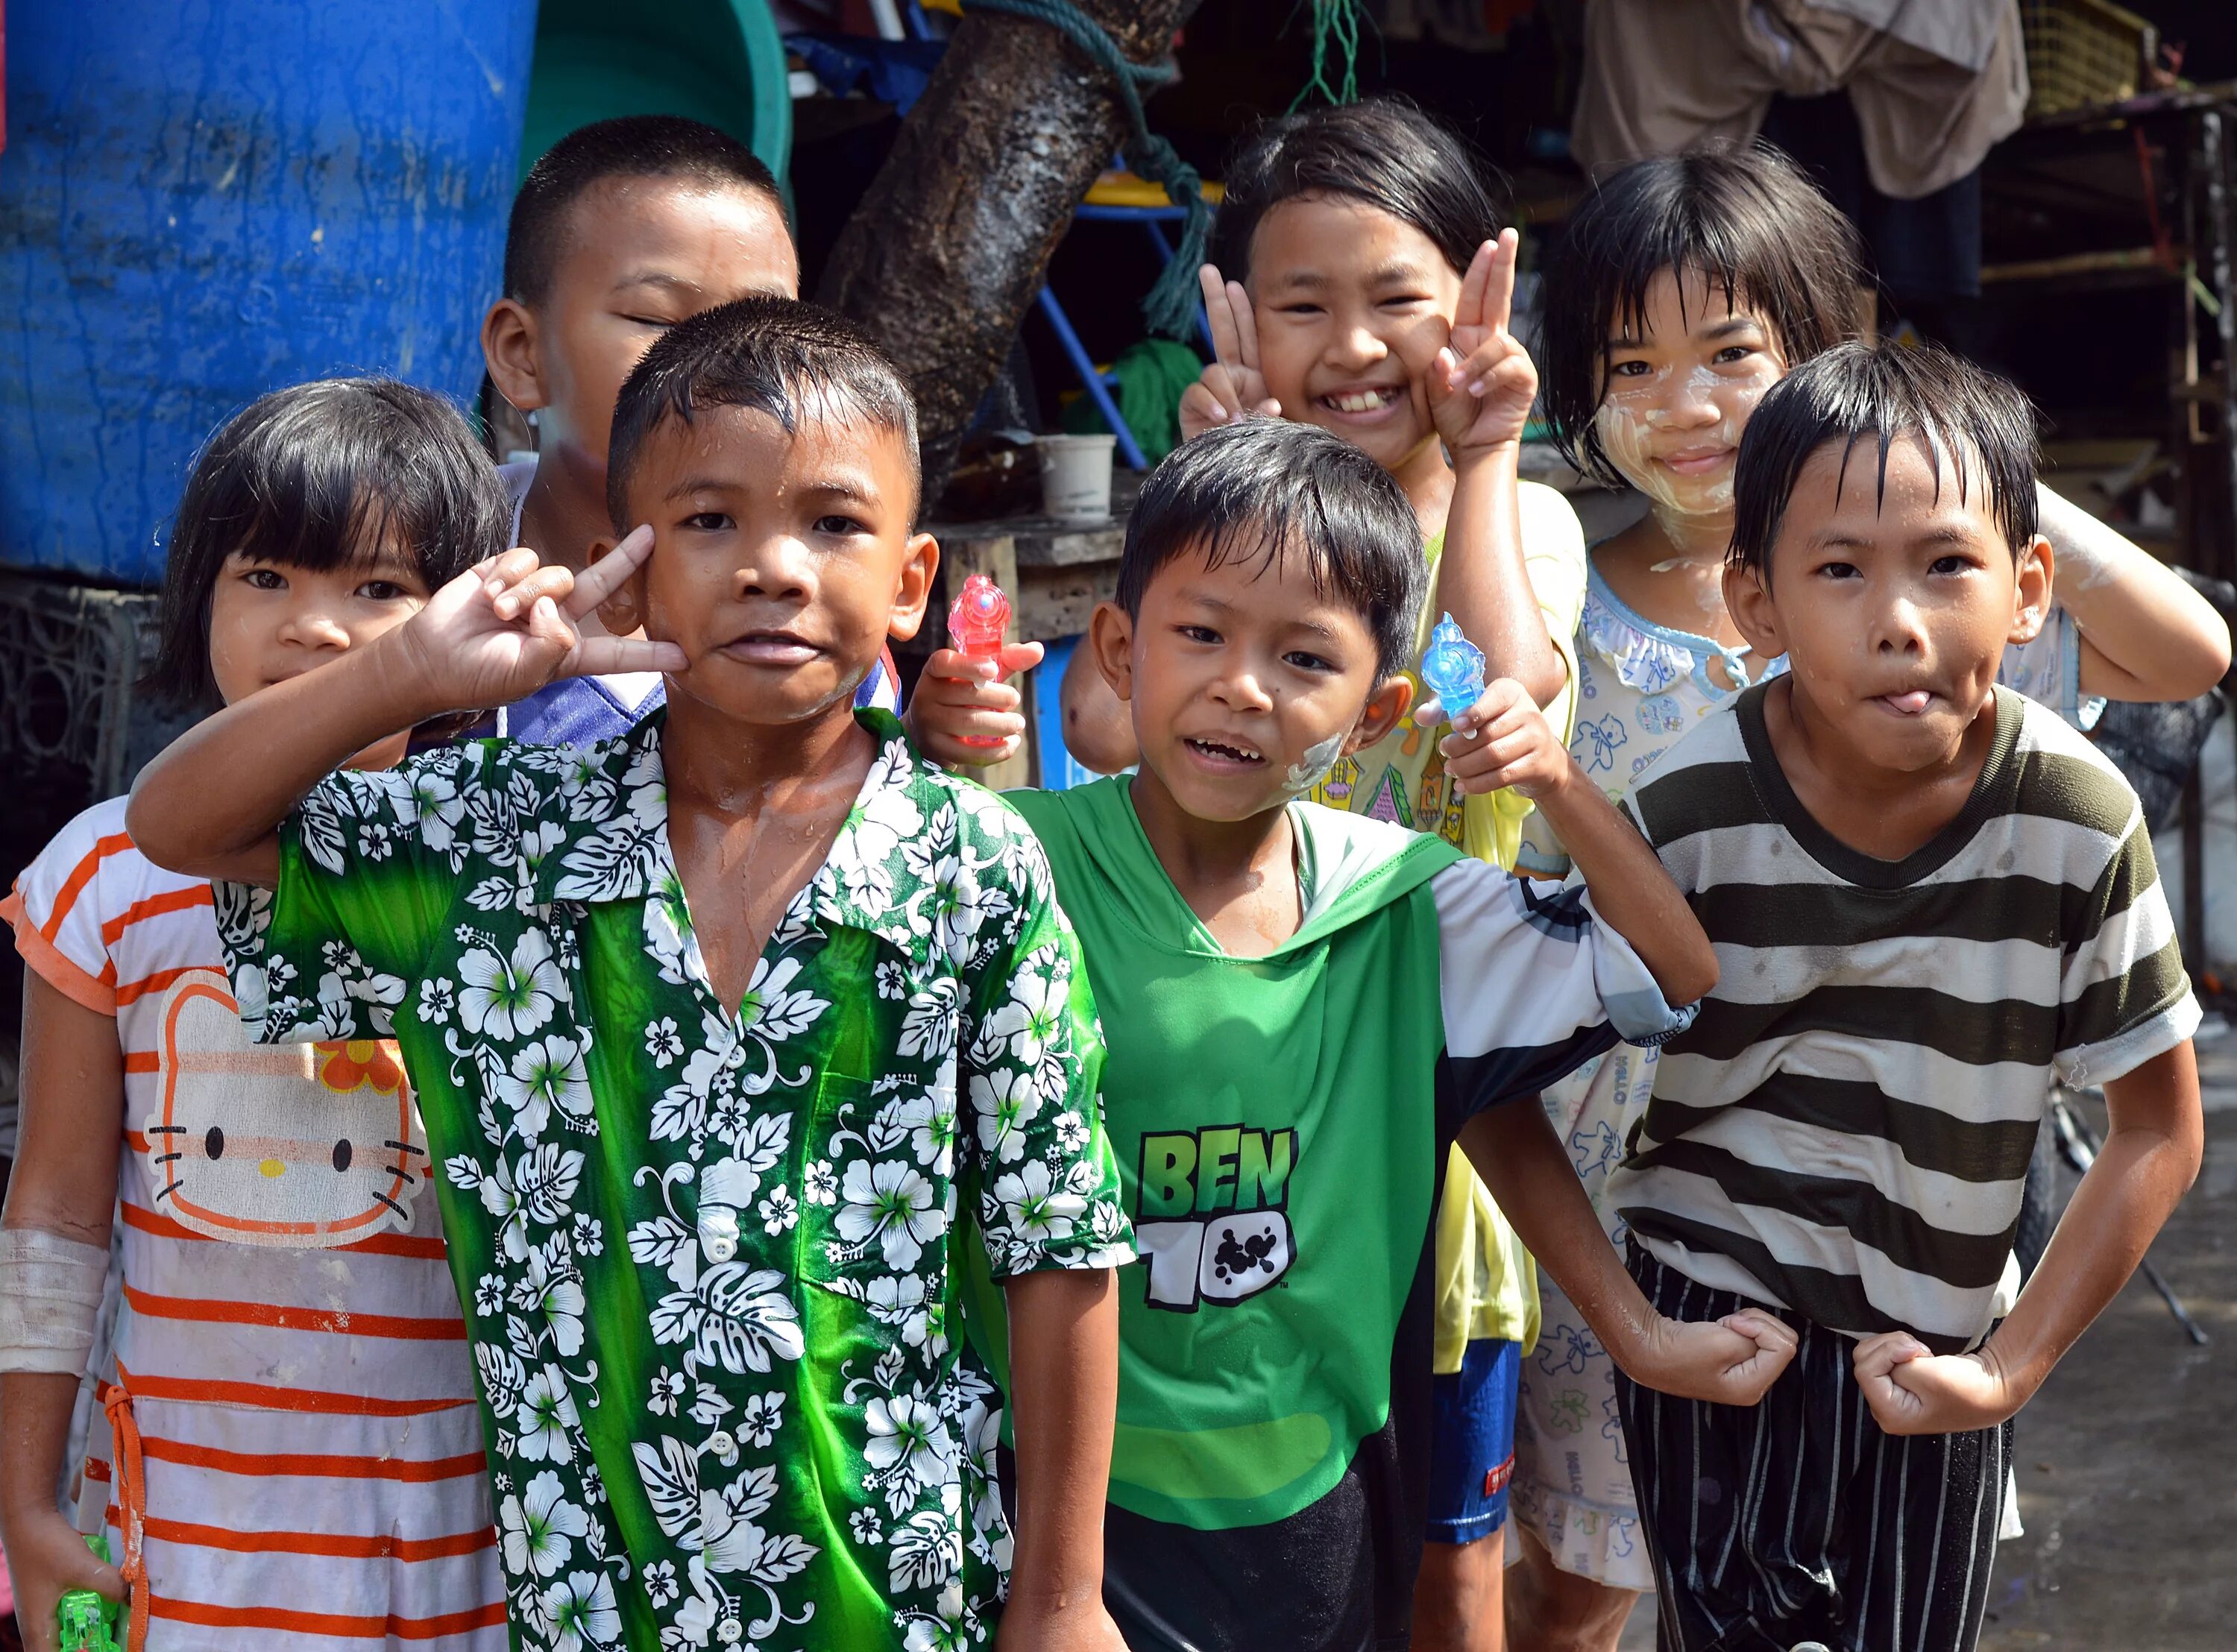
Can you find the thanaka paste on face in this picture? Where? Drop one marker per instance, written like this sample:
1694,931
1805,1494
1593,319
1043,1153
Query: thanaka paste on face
1310,770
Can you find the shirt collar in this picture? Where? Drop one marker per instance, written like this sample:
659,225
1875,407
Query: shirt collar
615,843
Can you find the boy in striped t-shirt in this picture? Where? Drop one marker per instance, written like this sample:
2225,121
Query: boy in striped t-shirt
1928,897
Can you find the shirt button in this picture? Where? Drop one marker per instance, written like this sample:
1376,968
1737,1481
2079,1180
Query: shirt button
729,1632
722,1248
721,1442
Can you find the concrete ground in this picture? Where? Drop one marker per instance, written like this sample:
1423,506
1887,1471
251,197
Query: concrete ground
2128,1458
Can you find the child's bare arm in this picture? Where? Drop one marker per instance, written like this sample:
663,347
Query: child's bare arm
64,1184
2150,1157
1730,1361
210,806
1505,740
1064,1385
1480,389
2145,634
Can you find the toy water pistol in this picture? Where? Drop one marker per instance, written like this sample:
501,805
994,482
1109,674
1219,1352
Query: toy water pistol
87,1622
1453,668
976,622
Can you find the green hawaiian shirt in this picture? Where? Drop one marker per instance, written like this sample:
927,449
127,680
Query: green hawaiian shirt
705,1254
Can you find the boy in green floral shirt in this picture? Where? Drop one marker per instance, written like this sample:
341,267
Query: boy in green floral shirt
723,1030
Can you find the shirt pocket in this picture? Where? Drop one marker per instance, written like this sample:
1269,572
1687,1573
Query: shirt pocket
876,1216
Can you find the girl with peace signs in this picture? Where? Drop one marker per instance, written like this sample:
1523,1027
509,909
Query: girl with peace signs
1364,285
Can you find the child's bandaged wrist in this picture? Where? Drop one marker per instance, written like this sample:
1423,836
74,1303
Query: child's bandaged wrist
49,1300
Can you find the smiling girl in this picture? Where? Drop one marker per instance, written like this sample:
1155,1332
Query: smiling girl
1684,288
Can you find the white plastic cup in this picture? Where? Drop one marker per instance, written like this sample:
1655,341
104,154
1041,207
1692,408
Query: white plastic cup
1076,477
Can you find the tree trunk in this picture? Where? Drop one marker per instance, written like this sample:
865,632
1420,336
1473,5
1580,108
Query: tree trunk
946,252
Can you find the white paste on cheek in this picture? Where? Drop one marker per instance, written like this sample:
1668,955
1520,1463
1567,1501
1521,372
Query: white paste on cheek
1314,767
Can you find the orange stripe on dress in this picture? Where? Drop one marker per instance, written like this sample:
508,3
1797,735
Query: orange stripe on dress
80,875
210,1311
404,1244
176,900
133,992
333,1545
335,1623
266,1464
263,1397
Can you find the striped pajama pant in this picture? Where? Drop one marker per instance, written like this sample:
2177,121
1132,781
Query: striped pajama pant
1799,1519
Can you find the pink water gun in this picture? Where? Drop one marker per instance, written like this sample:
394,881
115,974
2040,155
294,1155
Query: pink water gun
977,620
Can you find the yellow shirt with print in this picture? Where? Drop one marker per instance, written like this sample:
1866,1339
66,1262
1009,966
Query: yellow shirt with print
1487,1283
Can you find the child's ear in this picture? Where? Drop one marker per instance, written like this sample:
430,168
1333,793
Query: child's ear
623,612
1110,634
1748,599
915,591
1384,707
2036,568
509,350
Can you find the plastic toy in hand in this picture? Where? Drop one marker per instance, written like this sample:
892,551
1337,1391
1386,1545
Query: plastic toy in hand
1452,667
977,620
85,1622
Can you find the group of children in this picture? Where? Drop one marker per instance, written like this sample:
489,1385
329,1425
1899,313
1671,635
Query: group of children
615,1146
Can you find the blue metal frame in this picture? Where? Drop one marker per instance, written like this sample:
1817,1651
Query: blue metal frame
1096,384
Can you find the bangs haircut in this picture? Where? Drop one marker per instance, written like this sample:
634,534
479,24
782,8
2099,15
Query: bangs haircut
1264,490
798,363
1384,152
1978,428
633,146
321,476
1744,219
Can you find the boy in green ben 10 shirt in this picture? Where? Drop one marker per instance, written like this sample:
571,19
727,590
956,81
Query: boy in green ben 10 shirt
1303,1007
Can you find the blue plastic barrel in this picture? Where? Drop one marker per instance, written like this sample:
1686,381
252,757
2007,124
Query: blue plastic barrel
203,199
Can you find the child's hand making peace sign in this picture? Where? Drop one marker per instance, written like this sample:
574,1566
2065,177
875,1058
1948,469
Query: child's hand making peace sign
1483,383
504,629
1232,385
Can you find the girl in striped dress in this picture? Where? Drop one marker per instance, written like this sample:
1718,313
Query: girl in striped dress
287,1450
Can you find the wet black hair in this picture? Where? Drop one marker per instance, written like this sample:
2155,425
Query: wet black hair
1745,216
791,360
1384,152
1265,489
1979,428
632,145
321,476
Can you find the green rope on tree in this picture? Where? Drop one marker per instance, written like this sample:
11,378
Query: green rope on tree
1337,20
1171,306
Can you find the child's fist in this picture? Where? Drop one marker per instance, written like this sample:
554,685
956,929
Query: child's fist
47,1558
1913,1390
1731,1362
960,701
1502,741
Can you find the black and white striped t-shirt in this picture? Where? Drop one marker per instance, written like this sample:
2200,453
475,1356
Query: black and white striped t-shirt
1844,1130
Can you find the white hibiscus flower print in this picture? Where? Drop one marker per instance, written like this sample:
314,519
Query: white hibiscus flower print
908,1441
583,1614
511,997
667,1389
1037,1206
538,1529
1071,1132
660,1585
929,1118
891,1202
1033,1017
821,1183
434,800
547,1074
553,1288
547,1417
863,1523
438,999
1006,1102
